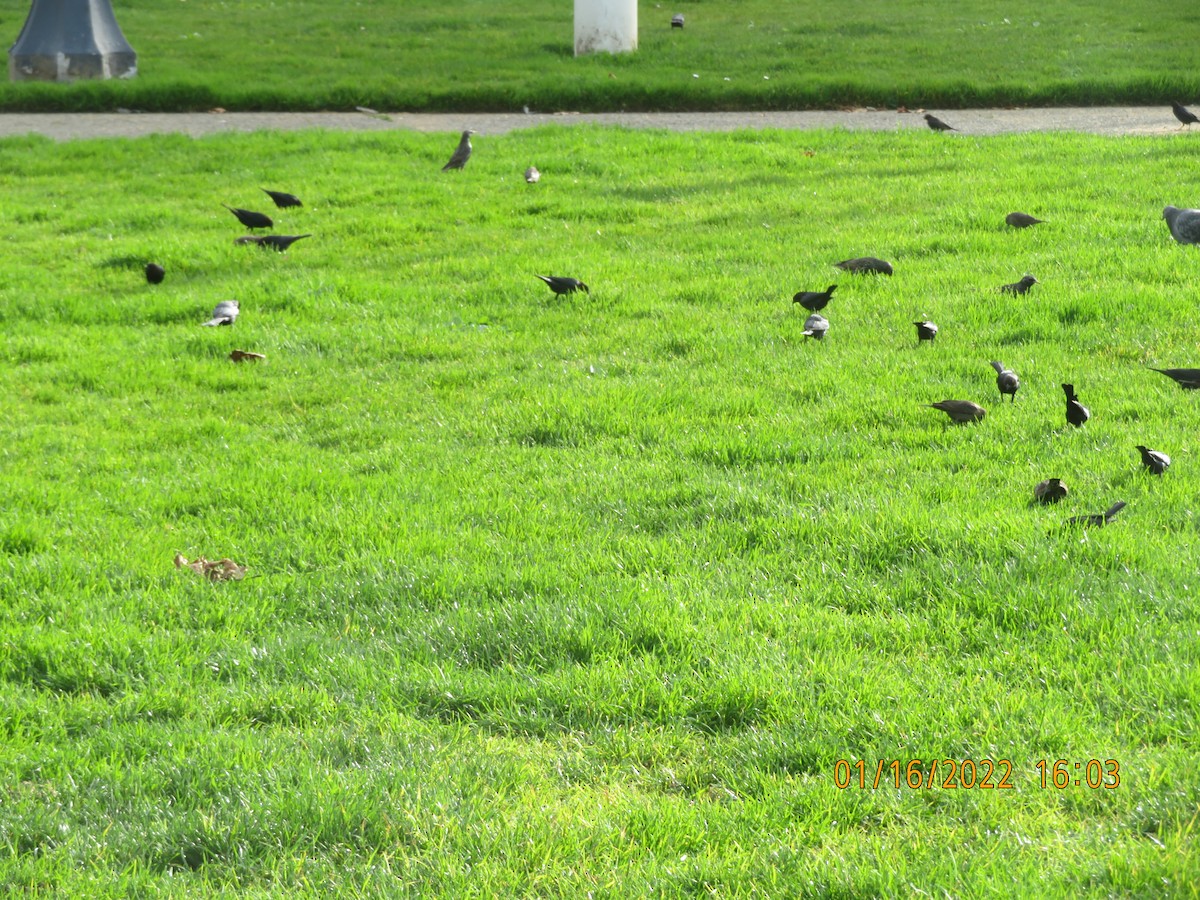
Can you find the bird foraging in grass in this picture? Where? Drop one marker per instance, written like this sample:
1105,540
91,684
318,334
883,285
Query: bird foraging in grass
1098,520
532,175
1077,413
677,20
1153,460
1021,220
155,273
461,153
926,331
1184,115
1184,224
278,242
561,284
1188,379
937,124
1006,380
961,411
1019,287
815,301
251,219
1050,491
282,199
815,326
224,313
865,265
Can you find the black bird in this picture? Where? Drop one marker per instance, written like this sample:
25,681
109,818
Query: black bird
926,331
560,284
279,242
1153,460
1098,520
1019,287
155,273
815,301
865,265
815,326
1184,115
1050,491
937,124
1077,413
1021,220
1006,380
1188,379
961,411
281,199
251,219
461,153
223,313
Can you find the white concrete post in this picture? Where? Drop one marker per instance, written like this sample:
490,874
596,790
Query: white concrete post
605,26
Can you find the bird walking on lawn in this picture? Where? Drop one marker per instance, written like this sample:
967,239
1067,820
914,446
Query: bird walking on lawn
278,242
1153,460
282,199
461,153
1184,224
937,124
865,265
1184,115
1188,379
1021,220
251,219
561,284
155,273
1006,380
1050,491
926,331
1098,520
961,411
815,301
1019,287
1077,413
815,326
224,313
532,175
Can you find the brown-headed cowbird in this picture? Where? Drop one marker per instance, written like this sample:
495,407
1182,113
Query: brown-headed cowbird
283,200
1019,287
815,301
1006,380
937,124
1021,220
926,331
1154,460
1188,379
1077,413
251,219
462,152
223,313
1050,491
561,284
961,411
155,273
1184,224
1098,520
1184,115
677,20
865,265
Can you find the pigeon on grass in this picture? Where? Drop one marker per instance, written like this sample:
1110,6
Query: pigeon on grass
224,313
1184,224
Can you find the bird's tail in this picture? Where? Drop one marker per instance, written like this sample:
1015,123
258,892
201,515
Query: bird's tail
1114,509
998,366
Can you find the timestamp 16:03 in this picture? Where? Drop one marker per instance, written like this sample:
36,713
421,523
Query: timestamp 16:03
967,774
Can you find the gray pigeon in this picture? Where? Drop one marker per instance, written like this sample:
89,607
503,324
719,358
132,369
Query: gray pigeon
532,175
461,153
224,313
677,20
1184,224
815,326
961,411
1021,220
1006,380
865,265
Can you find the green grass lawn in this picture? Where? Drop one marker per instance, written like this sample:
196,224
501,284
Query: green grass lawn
486,55
549,596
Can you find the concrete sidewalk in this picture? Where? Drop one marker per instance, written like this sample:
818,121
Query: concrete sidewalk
1109,120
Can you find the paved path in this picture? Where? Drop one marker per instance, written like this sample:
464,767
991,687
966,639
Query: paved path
1111,120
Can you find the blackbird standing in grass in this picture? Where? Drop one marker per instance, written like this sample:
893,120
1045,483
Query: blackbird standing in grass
815,301
1184,115
815,326
926,331
1153,460
1006,380
937,124
155,273
278,242
961,411
461,153
1049,491
1184,224
224,313
1019,287
283,200
1188,379
1098,520
1021,220
1077,413
251,219
865,265
560,284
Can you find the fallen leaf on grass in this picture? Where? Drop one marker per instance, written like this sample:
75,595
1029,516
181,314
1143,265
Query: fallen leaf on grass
242,355
224,569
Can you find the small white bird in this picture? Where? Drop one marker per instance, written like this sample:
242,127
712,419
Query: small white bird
1184,224
461,153
224,313
532,175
